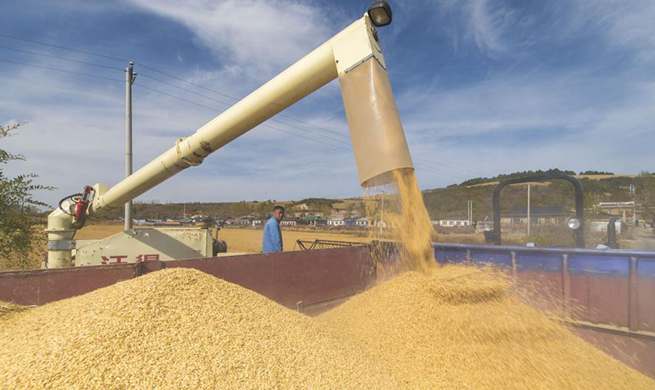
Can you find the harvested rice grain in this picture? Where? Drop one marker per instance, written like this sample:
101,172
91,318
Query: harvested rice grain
7,308
461,329
177,328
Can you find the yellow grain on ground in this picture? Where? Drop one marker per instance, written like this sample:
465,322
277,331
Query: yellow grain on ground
460,328
8,308
175,329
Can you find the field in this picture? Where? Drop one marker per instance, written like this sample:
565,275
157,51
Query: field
250,240
238,240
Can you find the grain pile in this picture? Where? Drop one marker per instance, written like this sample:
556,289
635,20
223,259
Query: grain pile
8,308
177,329
463,329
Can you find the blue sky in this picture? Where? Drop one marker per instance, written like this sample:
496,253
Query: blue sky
483,87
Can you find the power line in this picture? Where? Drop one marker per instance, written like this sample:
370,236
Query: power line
230,97
63,47
312,126
341,140
277,120
183,89
60,57
329,134
59,70
299,132
305,136
154,69
112,79
302,135
341,146
175,77
175,96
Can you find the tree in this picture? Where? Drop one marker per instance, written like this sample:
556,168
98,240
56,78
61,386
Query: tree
17,206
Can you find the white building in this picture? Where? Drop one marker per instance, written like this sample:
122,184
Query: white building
452,222
336,222
601,226
362,222
626,210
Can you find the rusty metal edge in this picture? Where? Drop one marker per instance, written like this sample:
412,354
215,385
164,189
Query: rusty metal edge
620,330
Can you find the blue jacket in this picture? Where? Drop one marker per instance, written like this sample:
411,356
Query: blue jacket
272,241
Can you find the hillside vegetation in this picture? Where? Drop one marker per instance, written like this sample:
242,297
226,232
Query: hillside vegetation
450,202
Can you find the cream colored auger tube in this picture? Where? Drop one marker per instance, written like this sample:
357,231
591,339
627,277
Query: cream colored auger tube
352,45
353,48
375,130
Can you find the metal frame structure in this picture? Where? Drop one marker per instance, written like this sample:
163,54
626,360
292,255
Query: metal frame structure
326,244
579,203
579,279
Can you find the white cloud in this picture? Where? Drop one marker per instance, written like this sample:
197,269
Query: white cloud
488,25
263,35
627,24
485,23
509,123
596,120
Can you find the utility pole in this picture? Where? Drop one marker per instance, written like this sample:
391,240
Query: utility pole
529,219
130,76
469,211
382,213
633,189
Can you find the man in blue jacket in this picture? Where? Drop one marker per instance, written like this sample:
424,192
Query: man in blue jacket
272,241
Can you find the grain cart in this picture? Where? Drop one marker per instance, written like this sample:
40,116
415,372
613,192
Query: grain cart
353,56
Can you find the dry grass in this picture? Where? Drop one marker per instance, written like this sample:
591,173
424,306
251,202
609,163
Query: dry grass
459,329
177,328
